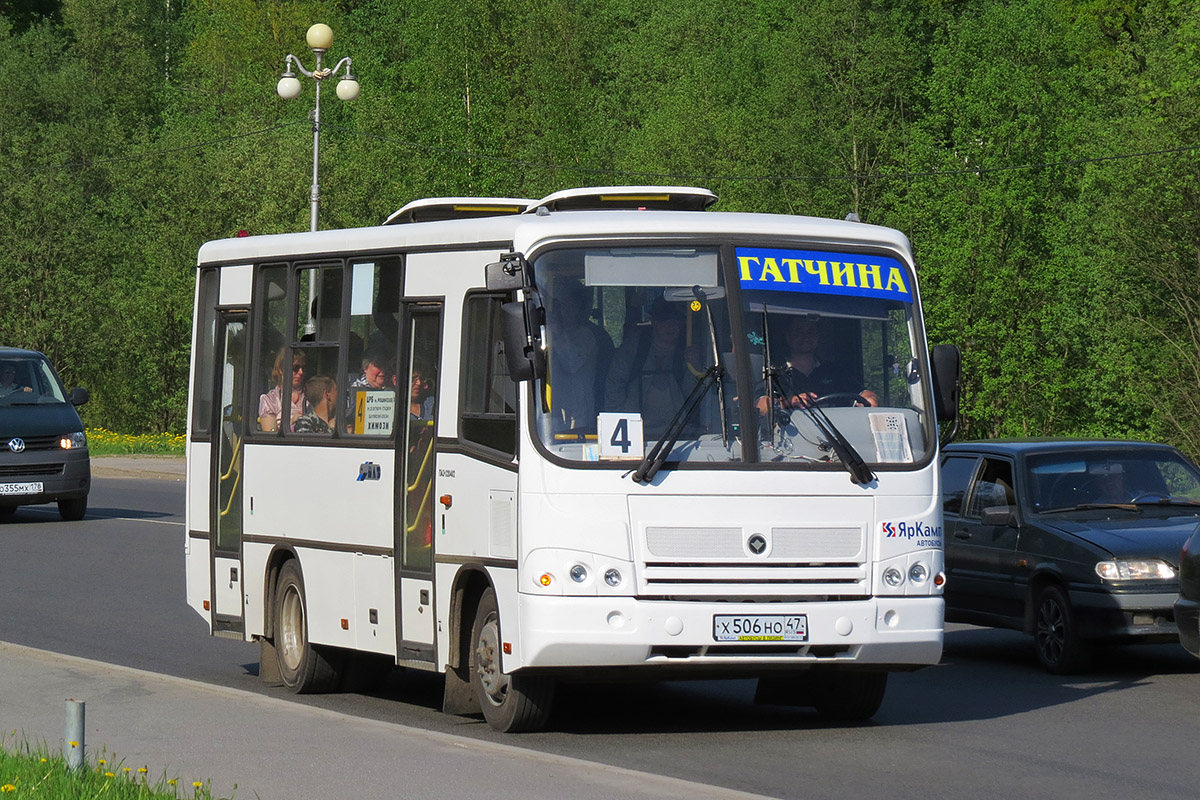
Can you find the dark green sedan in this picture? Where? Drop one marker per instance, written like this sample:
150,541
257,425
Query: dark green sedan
1076,542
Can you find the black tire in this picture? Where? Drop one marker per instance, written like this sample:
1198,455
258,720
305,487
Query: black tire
848,696
511,703
72,509
303,667
6,513
1060,650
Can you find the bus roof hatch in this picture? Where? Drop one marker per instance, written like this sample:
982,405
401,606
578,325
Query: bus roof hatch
671,198
434,209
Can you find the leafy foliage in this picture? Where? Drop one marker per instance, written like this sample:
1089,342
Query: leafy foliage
984,129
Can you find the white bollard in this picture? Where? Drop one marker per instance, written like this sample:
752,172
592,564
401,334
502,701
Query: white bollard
73,736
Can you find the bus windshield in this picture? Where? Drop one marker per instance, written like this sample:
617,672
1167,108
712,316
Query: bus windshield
641,351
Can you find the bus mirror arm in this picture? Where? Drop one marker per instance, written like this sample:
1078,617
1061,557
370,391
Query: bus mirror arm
946,360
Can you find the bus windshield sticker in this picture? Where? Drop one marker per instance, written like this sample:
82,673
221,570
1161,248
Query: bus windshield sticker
620,435
823,273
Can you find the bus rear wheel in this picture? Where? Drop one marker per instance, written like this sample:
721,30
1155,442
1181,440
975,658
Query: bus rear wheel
511,703
303,667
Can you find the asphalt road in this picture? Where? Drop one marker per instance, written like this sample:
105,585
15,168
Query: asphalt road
986,722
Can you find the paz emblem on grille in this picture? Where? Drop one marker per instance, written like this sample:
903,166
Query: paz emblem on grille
757,544
16,445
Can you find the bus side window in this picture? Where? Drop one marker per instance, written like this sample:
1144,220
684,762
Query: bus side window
489,396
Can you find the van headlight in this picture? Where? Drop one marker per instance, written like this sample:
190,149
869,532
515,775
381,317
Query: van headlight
1146,569
73,441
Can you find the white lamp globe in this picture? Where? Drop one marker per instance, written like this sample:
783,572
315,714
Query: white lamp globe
319,36
288,87
347,89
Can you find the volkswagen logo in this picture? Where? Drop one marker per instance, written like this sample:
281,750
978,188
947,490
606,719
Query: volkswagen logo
757,544
16,445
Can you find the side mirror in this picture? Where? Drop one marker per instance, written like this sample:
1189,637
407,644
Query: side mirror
507,274
999,515
521,323
947,368
79,396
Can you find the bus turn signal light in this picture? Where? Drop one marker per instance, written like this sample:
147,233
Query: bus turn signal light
546,579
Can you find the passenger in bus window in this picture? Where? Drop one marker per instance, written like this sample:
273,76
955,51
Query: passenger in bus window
320,393
649,371
421,397
376,366
580,353
802,375
270,405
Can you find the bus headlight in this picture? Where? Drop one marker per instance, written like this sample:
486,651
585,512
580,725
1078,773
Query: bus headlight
918,573
579,573
893,576
613,578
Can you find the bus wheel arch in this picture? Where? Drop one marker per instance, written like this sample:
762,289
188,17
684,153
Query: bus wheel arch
511,702
304,668
459,696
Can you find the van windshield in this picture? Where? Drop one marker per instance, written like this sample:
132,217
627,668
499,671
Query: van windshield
28,380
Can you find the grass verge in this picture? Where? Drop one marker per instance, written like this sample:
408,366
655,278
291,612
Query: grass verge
34,771
103,442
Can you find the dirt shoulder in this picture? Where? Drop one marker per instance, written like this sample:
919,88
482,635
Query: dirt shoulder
168,468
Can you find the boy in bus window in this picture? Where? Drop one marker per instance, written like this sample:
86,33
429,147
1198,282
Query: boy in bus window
321,395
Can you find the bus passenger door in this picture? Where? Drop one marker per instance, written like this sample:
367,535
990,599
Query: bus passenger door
226,489
417,379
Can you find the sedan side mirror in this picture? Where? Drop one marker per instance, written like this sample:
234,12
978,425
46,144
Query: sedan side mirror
79,396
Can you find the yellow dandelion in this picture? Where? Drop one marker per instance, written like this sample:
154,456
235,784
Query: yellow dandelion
127,770
172,782
197,784
43,761
73,744
103,762
142,770
8,787
109,775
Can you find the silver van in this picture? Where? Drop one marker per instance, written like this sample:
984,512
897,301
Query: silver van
43,450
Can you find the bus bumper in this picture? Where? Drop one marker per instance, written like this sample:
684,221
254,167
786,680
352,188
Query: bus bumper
566,632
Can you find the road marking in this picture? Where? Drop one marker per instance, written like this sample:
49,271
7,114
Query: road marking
102,516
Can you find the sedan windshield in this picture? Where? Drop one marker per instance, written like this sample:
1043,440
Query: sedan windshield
27,380
1071,480
644,361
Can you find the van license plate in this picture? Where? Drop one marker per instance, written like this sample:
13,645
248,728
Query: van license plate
760,628
21,488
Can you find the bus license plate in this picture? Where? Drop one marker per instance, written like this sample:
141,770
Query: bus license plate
760,627
21,488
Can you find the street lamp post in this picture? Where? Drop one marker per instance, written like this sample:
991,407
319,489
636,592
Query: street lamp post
319,39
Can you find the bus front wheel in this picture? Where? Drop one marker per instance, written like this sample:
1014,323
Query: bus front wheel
849,696
511,703
303,667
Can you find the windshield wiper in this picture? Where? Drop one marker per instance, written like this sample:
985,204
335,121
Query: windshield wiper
860,473
1092,506
653,461
1167,501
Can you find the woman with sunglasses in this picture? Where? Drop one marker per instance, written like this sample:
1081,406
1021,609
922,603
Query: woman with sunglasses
271,404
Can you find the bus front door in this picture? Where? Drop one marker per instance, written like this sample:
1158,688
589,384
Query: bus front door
226,489
416,440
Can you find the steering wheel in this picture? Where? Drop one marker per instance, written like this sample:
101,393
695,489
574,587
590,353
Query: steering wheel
843,399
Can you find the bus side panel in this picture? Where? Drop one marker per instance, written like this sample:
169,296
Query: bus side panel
254,583
481,520
327,578
374,582
198,576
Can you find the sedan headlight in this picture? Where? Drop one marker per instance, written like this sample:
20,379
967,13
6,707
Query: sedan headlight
73,441
1149,569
